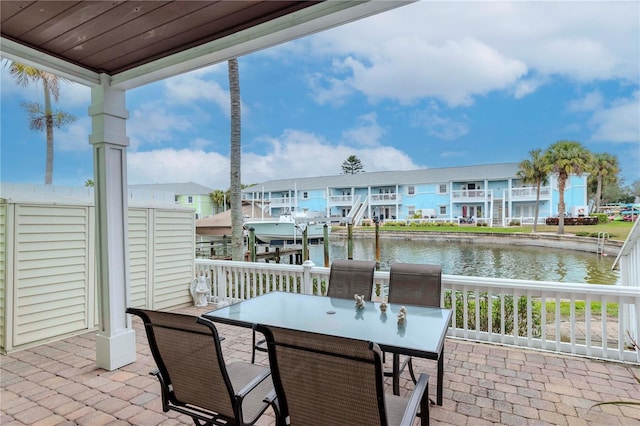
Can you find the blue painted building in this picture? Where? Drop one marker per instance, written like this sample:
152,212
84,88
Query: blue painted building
486,193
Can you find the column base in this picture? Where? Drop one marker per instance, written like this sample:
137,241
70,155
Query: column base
115,351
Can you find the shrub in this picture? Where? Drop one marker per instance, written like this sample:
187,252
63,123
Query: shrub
496,318
514,223
602,217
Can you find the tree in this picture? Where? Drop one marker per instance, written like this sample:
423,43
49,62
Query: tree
565,158
634,190
42,118
218,198
89,183
533,171
352,165
237,246
604,169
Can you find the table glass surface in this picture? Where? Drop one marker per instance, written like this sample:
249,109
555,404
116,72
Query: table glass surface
422,333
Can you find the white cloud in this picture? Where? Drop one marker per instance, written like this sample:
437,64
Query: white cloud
526,86
327,90
153,123
618,123
72,95
178,165
589,102
366,132
74,137
304,154
439,126
456,51
200,86
292,154
454,71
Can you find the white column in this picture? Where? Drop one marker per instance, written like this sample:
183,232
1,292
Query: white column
115,342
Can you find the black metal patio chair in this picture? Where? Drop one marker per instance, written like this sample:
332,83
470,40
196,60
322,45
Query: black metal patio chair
194,378
413,284
349,277
328,380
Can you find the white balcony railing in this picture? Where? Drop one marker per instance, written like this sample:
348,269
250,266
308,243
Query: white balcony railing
340,200
280,202
385,198
529,193
477,195
547,315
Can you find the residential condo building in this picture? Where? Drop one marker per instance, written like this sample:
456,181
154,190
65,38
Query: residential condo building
491,194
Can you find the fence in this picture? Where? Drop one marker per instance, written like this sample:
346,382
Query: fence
597,321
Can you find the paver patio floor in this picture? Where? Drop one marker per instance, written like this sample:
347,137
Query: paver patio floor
59,384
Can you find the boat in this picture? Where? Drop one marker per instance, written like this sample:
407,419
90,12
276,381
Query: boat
288,228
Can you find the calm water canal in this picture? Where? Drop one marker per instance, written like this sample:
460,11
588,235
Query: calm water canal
483,260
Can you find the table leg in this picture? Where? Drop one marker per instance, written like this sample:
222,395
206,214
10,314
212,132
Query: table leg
440,376
396,374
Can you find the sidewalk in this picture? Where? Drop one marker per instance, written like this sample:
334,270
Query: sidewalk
59,384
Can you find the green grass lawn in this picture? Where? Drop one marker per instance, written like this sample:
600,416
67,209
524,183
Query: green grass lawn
616,230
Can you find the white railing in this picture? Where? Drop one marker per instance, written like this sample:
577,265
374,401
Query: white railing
529,193
471,194
385,198
562,326
342,200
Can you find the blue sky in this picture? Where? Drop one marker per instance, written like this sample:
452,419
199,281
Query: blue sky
431,84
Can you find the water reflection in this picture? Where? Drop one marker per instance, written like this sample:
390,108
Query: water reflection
483,260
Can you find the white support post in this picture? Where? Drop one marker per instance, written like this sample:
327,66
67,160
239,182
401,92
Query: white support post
115,342
307,282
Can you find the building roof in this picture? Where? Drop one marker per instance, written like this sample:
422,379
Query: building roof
188,188
391,178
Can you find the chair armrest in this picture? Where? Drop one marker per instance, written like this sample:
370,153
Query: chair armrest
252,384
419,399
271,396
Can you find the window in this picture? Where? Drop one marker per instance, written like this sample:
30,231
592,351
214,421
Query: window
176,198
443,209
190,199
305,195
411,211
442,188
411,190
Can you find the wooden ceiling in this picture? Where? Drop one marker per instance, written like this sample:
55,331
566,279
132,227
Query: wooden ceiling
136,42
115,36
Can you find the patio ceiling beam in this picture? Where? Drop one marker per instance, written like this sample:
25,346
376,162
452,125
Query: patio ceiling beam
17,52
298,24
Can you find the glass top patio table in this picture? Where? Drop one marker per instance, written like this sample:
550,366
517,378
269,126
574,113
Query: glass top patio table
422,334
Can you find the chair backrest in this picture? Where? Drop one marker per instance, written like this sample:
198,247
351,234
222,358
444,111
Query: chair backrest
349,277
323,380
415,284
187,351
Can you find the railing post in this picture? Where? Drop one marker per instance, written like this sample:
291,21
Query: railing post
350,241
326,245
307,282
252,244
221,284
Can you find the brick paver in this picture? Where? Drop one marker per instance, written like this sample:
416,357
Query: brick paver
58,384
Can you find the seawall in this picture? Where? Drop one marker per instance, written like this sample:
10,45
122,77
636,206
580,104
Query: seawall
566,241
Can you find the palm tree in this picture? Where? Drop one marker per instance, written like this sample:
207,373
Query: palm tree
604,169
42,118
218,199
533,171
237,246
565,158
